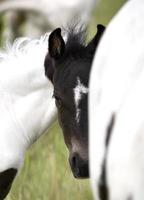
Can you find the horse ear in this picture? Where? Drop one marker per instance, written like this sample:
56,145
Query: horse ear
95,41
56,44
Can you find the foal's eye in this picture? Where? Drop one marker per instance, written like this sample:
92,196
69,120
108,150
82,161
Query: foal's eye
58,100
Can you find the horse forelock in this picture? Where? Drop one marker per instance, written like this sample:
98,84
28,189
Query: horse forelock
75,35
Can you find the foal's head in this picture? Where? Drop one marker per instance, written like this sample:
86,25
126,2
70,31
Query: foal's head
68,65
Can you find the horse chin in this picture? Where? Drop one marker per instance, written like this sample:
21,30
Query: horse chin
82,174
81,177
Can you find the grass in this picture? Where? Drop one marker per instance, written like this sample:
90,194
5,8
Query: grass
46,174
103,13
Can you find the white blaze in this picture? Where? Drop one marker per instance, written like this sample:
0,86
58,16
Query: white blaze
79,91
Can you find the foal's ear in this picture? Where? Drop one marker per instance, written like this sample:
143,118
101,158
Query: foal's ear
95,41
56,44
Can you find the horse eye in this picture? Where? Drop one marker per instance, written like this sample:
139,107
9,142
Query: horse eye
58,100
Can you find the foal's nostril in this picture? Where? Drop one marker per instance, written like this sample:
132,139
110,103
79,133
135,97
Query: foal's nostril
79,166
75,163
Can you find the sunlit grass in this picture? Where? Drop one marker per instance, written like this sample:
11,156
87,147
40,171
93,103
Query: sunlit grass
46,173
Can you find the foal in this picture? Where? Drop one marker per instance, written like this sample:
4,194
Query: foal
26,105
68,65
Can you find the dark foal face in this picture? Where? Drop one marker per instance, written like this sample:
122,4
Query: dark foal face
71,94
68,67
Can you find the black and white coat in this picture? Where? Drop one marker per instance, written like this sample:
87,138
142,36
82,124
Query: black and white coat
116,108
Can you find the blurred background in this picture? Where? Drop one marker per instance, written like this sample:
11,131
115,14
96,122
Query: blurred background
46,174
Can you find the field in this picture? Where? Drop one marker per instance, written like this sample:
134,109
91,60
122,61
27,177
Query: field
46,174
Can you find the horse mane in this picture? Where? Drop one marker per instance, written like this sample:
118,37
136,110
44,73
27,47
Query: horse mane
23,47
76,41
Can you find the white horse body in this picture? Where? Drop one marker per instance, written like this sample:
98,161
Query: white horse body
27,108
117,87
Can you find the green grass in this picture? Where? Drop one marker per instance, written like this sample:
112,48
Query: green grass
103,13
46,174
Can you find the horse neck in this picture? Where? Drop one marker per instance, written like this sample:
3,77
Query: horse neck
27,94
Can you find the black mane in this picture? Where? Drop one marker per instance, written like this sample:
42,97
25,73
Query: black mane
76,42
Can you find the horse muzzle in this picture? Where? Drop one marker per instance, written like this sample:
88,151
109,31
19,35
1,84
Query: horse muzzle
79,166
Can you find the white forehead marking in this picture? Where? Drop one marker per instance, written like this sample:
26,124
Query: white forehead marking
79,91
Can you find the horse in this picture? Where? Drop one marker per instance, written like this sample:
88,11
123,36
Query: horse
27,108
58,12
67,66
116,110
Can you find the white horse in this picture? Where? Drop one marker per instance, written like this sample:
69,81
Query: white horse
116,108
56,12
27,108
